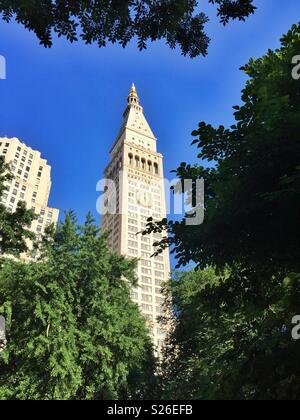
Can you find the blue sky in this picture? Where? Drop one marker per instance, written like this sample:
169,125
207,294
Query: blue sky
68,101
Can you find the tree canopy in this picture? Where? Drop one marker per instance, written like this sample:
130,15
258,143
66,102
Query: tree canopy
232,336
178,22
73,331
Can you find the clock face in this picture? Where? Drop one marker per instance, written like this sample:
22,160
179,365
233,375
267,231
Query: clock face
144,198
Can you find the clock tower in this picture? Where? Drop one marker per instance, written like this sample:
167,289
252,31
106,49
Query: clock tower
138,193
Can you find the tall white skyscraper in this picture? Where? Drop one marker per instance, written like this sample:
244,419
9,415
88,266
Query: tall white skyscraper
137,171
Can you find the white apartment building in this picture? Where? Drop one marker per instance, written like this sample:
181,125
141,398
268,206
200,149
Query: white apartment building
31,183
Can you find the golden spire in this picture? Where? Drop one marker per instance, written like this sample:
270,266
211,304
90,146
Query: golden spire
133,96
133,90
